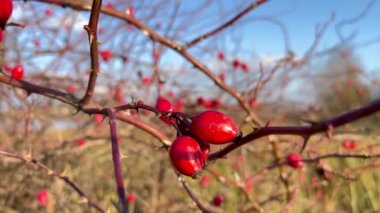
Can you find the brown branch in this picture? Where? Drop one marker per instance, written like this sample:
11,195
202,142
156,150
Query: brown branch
45,91
193,196
317,127
225,25
92,29
50,171
155,132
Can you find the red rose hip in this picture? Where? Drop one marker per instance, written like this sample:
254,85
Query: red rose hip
18,72
5,12
294,160
214,127
164,105
186,156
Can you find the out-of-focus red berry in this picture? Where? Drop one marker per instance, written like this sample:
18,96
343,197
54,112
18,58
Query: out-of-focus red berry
147,80
200,100
249,184
294,160
244,67
18,72
221,56
106,55
98,119
48,12
109,5
205,181
207,103
236,63
81,142
42,197
349,144
218,200
131,198
71,89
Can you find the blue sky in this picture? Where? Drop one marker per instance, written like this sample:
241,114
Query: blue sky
300,18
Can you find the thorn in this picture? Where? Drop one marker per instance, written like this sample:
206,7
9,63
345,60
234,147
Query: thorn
123,156
305,140
50,172
63,174
83,200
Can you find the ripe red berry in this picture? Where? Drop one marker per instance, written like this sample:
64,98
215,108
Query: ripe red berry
18,72
42,197
5,12
164,105
214,127
294,160
349,144
218,200
186,156
131,198
106,55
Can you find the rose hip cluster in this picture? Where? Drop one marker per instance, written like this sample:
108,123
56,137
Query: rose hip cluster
190,150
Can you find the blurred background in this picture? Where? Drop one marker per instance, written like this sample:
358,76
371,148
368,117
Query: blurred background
291,61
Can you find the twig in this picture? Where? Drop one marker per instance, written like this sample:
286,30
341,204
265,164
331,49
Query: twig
321,126
225,25
50,171
92,29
